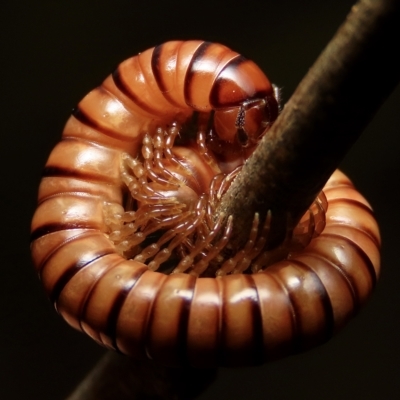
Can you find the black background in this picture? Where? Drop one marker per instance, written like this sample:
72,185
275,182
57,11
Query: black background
53,53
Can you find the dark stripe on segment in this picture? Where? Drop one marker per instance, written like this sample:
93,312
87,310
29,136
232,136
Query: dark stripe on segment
60,245
257,346
221,353
325,300
158,73
360,252
184,321
124,88
70,272
346,279
258,337
55,227
111,328
220,350
355,203
85,119
296,343
351,202
340,183
215,90
235,62
182,328
156,68
197,57
54,171
219,82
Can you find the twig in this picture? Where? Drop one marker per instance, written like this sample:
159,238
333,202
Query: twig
330,108
117,377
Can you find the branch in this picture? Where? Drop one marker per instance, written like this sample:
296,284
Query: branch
330,108
117,377
327,113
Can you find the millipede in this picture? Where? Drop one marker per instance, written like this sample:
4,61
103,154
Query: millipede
128,242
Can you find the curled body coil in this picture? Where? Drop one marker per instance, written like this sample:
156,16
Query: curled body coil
235,319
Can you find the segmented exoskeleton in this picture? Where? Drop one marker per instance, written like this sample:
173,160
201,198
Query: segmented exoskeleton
130,194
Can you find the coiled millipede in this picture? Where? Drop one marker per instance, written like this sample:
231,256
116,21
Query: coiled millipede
125,237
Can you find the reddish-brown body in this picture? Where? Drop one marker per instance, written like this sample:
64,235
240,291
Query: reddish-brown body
238,319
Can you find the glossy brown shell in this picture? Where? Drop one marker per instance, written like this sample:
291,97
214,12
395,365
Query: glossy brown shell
241,319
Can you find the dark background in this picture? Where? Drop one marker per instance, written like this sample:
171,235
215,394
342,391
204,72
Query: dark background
53,53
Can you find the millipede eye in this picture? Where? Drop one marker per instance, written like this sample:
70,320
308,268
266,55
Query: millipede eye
241,118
